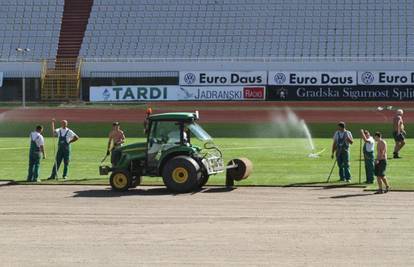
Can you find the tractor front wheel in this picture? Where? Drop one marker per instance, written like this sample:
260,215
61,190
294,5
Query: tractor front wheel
120,180
181,174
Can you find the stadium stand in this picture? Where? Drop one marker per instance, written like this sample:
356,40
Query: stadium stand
94,39
33,24
243,28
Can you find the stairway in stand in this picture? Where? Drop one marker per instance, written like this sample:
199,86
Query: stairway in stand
61,76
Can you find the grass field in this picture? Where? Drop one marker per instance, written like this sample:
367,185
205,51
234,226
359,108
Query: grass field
277,161
217,130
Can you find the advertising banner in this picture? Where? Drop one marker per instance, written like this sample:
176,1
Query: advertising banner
174,93
307,78
222,78
221,93
132,93
342,93
386,78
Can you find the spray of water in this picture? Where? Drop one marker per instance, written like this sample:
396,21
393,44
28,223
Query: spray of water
2,116
308,135
286,124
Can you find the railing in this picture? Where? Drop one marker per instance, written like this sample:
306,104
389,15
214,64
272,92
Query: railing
61,79
256,59
43,73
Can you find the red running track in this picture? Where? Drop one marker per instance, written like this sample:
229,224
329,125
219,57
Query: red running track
329,112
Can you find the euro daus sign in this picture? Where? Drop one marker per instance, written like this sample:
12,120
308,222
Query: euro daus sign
222,78
386,78
297,78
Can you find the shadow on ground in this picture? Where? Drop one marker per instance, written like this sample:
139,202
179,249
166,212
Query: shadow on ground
324,185
7,183
159,191
97,193
348,196
352,195
318,184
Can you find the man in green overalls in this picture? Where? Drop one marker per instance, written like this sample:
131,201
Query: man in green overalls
66,137
341,141
36,151
369,144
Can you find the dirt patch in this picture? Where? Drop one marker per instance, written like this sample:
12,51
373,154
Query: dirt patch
89,225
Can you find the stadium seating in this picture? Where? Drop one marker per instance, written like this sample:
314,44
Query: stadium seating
33,24
216,29
244,28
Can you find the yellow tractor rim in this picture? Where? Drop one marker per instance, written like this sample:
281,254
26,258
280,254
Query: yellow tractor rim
180,175
120,180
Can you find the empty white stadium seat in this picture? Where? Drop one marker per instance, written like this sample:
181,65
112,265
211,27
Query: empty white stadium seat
240,28
33,24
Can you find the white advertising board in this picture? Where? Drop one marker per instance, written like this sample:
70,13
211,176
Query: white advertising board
309,78
223,78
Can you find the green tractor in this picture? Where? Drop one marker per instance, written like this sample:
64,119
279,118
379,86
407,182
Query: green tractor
178,150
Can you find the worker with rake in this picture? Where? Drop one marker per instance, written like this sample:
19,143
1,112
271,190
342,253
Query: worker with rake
340,147
66,138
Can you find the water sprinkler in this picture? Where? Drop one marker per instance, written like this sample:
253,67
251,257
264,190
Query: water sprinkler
317,154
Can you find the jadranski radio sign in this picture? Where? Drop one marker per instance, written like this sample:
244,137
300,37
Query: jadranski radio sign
132,93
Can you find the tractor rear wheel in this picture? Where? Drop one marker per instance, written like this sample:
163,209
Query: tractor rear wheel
181,174
120,180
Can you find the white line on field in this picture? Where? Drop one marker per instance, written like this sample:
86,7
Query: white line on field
249,147
12,148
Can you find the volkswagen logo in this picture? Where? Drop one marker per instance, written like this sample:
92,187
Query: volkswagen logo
189,78
280,78
367,77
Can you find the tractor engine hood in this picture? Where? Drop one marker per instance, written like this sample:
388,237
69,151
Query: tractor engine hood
133,148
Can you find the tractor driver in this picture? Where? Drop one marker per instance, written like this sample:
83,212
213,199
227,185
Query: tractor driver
175,136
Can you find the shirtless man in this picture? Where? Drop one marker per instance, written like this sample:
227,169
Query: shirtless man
381,164
398,133
369,155
116,139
